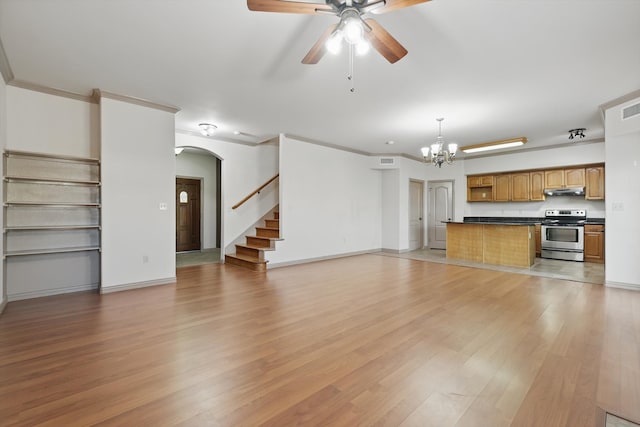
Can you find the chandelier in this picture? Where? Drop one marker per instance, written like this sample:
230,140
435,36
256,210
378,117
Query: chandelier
438,154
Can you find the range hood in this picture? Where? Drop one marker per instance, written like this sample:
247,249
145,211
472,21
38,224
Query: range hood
574,191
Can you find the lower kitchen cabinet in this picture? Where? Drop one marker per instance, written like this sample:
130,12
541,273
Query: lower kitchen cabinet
594,243
538,240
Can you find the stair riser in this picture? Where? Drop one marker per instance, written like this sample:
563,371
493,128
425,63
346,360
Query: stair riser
257,253
245,264
252,241
272,223
265,232
276,215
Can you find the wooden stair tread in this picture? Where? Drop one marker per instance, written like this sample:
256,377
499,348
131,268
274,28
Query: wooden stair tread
269,228
247,258
260,248
274,239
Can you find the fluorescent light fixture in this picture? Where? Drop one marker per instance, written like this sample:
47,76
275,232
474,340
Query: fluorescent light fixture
494,145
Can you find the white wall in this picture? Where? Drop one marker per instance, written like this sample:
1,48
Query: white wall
138,174
579,154
3,143
622,175
395,202
244,168
329,205
202,166
44,123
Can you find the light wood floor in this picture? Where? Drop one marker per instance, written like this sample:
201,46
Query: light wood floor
366,340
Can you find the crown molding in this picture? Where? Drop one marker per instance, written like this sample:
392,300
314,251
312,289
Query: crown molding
217,137
51,91
5,68
619,101
326,144
99,94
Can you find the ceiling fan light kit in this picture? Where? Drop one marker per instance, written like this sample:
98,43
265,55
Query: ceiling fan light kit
494,145
351,28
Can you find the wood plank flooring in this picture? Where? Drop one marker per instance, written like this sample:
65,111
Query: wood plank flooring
368,340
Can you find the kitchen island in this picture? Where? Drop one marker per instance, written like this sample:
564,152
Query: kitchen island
509,244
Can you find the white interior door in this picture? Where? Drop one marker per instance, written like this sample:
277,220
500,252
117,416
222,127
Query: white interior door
416,203
440,209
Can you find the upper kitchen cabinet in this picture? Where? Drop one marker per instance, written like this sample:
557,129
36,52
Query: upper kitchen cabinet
502,192
564,178
536,179
520,188
594,183
480,188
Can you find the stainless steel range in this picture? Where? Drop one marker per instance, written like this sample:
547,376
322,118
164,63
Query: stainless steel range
563,234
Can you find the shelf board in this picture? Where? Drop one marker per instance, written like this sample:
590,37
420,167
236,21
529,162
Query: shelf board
52,227
15,153
54,205
52,181
51,251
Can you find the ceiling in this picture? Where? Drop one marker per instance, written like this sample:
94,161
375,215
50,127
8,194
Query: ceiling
494,69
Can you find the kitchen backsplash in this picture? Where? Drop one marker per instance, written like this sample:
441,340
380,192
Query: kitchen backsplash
595,209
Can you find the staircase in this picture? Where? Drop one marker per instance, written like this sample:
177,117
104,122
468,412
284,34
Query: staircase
251,254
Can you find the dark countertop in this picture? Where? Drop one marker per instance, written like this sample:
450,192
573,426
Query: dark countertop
517,220
490,222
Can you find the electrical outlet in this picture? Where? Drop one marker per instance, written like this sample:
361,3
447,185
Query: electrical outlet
163,206
617,206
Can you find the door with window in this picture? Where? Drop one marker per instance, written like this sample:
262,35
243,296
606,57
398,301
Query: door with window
187,214
440,210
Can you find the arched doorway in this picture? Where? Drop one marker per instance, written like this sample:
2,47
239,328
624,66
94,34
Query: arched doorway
198,207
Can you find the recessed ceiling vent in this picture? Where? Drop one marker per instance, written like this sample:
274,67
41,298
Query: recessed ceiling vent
387,161
629,112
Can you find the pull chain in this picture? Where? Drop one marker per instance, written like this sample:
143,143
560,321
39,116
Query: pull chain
350,75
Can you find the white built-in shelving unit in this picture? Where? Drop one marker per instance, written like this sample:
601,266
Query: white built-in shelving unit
51,224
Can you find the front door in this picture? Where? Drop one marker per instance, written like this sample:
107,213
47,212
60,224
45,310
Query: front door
440,209
416,231
187,214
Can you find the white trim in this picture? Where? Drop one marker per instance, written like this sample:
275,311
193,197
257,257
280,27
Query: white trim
50,292
5,67
3,305
326,144
394,251
322,258
137,285
52,91
98,94
622,285
619,101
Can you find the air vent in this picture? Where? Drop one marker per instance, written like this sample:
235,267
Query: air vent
629,112
387,161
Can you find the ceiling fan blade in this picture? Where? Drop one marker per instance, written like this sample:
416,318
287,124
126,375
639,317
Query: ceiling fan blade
396,4
316,52
284,6
384,42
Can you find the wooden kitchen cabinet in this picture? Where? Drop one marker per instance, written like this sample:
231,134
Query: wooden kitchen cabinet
594,243
520,190
536,179
538,234
502,192
574,177
480,188
594,183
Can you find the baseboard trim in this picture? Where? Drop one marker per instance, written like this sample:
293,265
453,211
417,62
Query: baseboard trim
3,304
622,285
394,251
138,285
50,292
322,258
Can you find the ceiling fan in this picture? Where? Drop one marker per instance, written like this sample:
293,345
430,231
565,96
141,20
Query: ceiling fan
352,27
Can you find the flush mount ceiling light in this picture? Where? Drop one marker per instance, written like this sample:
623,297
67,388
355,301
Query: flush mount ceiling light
438,154
207,129
495,145
579,132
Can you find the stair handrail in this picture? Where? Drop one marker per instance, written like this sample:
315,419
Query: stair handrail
254,192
